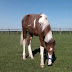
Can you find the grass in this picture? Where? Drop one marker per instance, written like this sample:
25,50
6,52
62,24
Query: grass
11,54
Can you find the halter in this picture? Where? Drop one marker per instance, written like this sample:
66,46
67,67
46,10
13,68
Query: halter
49,58
50,42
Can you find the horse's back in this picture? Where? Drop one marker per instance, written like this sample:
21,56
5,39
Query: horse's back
30,17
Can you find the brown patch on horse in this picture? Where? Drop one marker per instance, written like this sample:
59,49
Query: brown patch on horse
29,38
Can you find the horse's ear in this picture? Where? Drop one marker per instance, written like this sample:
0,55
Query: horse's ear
54,42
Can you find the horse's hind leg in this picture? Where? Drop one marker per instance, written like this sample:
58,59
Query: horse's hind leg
24,43
29,46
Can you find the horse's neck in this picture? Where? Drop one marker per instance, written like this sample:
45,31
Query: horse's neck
48,34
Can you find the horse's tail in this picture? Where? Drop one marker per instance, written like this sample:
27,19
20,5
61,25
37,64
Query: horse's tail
21,39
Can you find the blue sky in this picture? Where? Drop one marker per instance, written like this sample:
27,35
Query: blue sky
59,12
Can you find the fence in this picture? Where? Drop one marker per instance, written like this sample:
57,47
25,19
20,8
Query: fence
60,30
10,30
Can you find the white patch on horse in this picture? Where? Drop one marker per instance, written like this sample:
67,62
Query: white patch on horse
49,61
29,25
50,49
34,23
42,57
43,21
48,36
30,50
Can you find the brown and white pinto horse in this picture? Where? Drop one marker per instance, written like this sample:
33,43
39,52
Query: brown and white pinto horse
38,25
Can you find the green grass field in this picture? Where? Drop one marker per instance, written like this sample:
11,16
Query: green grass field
11,54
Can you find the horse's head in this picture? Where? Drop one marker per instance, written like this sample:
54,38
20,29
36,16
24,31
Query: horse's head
50,49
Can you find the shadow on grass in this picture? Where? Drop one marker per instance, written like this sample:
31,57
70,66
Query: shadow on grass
45,55
36,51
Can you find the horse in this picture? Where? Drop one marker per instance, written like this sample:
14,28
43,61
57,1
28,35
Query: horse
38,25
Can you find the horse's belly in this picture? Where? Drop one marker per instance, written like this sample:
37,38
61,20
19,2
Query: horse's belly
33,32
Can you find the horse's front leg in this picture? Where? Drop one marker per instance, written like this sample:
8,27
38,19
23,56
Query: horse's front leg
42,52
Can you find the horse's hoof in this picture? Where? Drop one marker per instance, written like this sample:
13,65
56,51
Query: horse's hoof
24,58
32,58
42,66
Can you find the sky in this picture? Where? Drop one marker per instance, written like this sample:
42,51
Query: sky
59,12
